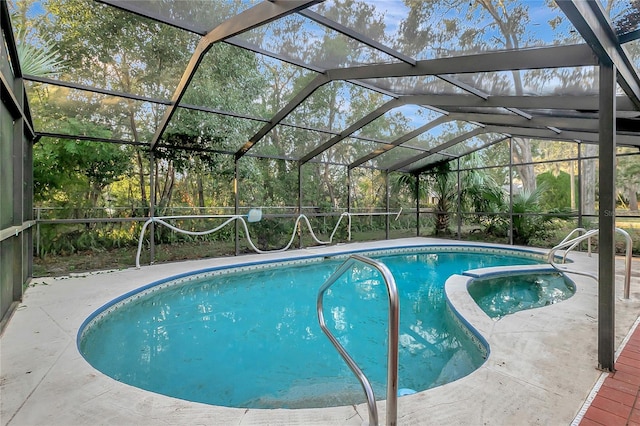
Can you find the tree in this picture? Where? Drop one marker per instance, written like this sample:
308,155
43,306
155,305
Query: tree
525,225
557,193
76,172
60,164
454,27
444,187
112,49
38,57
331,108
628,178
108,48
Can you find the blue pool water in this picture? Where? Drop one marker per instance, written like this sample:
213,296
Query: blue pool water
251,339
500,296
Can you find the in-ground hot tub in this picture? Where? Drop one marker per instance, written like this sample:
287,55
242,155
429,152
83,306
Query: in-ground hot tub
505,294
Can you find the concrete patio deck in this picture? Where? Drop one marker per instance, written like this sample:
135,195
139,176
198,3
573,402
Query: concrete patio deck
541,369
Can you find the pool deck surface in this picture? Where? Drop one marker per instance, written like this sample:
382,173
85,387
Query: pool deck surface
541,370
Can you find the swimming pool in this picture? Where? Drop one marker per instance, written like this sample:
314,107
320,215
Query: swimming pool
191,337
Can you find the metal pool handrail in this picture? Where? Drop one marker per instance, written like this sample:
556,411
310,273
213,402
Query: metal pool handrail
577,230
392,350
570,244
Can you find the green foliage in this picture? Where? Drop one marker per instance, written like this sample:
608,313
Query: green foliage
123,52
526,224
65,240
75,172
271,234
444,187
38,56
478,193
39,61
405,184
557,191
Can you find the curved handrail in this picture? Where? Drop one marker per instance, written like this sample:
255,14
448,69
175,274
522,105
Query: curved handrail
571,233
628,256
569,236
392,350
570,244
231,218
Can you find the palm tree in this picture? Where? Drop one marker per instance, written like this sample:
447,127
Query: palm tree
443,186
526,227
42,60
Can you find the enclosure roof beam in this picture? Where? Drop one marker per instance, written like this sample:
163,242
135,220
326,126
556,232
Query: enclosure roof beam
630,36
187,26
256,16
243,44
566,135
529,132
524,120
88,138
356,36
464,86
569,123
592,23
539,127
568,102
404,138
556,56
10,44
92,89
441,147
280,115
526,132
427,167
394,103
133,7
535,58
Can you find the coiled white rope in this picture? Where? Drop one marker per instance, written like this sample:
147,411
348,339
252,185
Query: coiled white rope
253,216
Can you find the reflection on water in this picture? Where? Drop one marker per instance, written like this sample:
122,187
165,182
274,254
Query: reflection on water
252,339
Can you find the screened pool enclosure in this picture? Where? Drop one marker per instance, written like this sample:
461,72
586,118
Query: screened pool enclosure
455,118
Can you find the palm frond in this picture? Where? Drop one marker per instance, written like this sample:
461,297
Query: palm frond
40,61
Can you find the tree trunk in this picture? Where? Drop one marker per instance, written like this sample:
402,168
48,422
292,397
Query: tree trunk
326,177
633,197
588,201
143,189
522,154
200,184
572,176
167,186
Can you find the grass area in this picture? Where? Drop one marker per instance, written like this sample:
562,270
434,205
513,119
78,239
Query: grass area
121,258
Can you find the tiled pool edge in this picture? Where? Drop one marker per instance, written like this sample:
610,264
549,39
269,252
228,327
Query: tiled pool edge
182,278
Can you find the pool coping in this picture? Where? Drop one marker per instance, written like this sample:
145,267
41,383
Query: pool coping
46,381
186,277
